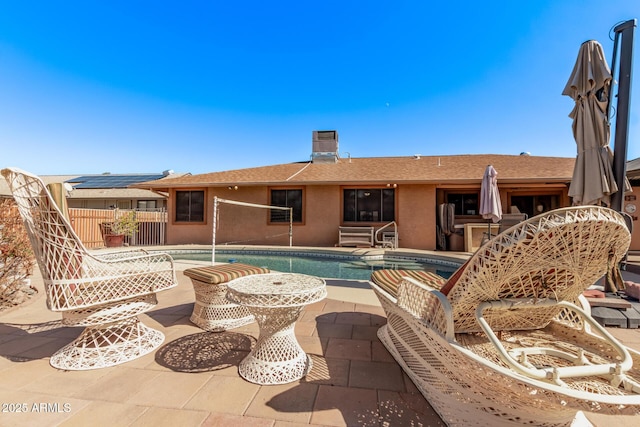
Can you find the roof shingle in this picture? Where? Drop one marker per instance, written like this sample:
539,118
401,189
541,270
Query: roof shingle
457,169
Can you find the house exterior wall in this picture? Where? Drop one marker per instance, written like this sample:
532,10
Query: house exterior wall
631,205
188,233
415,216
322,215
323,207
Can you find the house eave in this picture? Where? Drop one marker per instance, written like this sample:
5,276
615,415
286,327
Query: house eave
438,183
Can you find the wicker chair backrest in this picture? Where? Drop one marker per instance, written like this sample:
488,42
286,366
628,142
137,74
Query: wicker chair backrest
56,246
554,255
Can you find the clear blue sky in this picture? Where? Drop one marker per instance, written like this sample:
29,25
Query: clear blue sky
203,86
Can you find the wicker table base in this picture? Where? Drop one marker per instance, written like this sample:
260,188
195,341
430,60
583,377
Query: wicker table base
276,301
277,357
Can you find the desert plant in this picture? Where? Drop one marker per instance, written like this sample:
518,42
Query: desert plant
16,256
124,223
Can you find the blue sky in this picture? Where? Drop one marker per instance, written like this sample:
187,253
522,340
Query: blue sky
202,86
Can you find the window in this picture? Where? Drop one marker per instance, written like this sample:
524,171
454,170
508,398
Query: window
534,204
123,204
288,198
369,205
466,203
189,206
146,205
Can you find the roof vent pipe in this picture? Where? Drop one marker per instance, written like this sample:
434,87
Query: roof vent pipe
416,156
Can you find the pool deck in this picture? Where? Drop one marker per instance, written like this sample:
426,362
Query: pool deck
354,380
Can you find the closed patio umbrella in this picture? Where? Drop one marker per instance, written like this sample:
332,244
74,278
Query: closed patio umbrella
446,223
593,180
490,206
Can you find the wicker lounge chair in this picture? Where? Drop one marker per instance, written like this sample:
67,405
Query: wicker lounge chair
503,342
102,292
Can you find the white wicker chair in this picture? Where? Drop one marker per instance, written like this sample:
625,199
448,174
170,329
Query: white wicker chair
502,342
104,293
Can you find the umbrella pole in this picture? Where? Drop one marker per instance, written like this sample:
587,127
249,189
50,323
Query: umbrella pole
624,31
622,113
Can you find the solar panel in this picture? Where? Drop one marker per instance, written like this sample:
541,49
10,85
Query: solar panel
111,181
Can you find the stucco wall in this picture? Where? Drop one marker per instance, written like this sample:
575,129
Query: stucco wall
415,216
322,218
245,225
632,207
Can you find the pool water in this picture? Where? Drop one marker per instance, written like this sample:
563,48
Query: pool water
327,267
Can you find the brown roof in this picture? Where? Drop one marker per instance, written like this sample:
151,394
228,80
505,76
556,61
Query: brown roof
633,169
458,169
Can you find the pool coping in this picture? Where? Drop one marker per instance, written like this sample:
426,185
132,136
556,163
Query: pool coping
453,259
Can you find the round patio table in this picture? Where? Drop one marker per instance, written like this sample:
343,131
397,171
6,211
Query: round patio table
276,301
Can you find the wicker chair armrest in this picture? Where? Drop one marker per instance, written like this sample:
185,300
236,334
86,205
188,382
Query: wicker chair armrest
586,307
427,304
583,303
137,261
118,255
129,263
115,278
574,319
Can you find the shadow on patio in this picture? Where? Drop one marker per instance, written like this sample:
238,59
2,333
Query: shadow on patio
355,381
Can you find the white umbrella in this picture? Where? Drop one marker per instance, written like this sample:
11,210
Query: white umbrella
593,180
490,206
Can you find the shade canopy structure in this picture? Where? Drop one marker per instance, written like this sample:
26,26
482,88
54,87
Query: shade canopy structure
490,206
593,180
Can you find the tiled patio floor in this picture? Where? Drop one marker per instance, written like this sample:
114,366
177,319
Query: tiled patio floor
192,379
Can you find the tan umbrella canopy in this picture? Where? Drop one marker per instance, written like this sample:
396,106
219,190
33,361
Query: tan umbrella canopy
593,180
490,206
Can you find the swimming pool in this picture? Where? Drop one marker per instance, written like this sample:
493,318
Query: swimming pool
334,267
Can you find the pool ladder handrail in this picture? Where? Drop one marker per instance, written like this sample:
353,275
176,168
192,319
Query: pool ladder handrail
387,239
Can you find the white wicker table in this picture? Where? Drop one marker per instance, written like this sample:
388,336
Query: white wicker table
276,301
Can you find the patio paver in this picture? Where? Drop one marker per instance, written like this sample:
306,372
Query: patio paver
192,379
